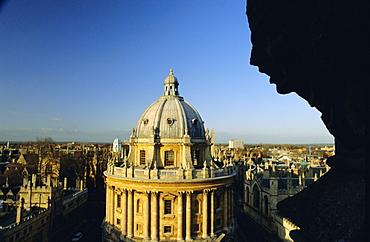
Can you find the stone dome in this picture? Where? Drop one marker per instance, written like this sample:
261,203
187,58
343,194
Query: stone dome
171,79
117,141
170,116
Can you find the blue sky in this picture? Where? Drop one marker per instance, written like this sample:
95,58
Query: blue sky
85,71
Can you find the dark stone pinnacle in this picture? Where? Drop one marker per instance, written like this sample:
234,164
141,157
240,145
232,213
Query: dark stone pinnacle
318,50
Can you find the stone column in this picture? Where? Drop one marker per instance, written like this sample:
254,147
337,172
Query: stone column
107,207
130,214
225,208
232,203
146,213
180,235
115,198
124,213
188,215
212,211
205,213
154,228
110,206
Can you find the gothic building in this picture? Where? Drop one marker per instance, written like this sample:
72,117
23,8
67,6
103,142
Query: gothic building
266,185
168,186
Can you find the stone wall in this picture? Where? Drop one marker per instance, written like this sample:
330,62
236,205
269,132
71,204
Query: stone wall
317,49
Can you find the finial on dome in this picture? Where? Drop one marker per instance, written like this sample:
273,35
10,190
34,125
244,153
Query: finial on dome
171,71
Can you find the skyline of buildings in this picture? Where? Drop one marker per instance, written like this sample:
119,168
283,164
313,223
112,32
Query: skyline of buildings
80,73
73,77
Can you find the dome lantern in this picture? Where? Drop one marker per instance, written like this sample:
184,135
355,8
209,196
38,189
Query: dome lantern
171,85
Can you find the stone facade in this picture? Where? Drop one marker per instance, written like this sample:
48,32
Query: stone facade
40,212
168,187
266,185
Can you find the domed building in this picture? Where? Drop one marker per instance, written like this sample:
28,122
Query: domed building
117,145
168,187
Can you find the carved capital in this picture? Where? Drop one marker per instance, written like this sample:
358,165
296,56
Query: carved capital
154,193
206,191
118,191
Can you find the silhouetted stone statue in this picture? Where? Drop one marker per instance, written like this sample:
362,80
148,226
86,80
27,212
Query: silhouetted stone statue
317,49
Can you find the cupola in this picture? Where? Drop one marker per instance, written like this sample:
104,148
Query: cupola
171,85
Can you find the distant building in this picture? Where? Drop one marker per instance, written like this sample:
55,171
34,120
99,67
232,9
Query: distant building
39,210
37,207
117,145
266,185
236,144
168,187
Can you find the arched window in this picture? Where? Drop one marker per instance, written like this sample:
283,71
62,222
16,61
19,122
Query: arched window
169,158
139,206
218,201
142,157
197,206
256,197
247,195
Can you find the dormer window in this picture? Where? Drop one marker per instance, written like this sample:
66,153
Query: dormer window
194,121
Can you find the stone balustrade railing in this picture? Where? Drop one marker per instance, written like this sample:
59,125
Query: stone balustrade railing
169,174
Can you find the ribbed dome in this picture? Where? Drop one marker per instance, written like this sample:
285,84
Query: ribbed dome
171,79
170,116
